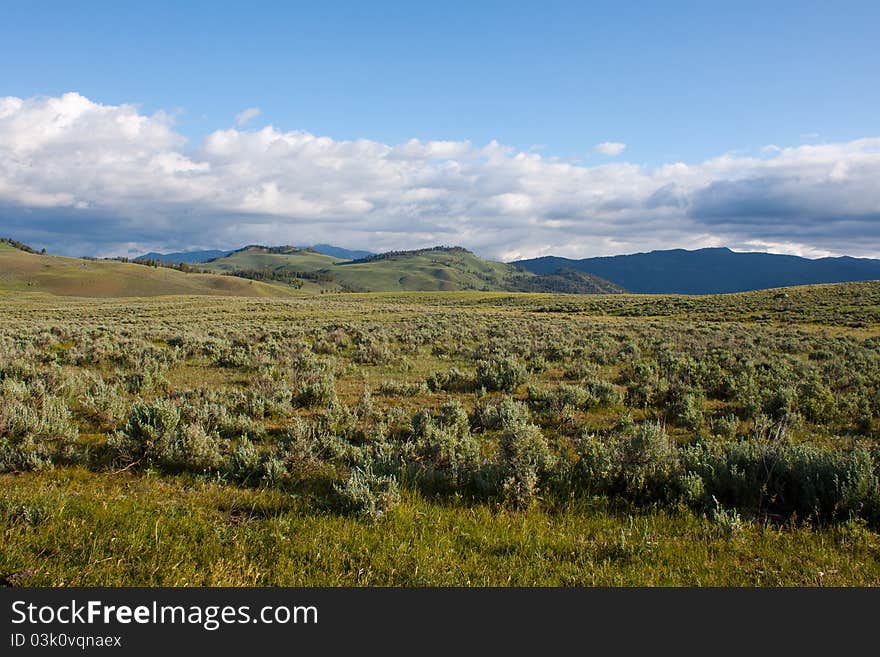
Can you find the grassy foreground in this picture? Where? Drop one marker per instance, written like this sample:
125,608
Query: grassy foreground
71,527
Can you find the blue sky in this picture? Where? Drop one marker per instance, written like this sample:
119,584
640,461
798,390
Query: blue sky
673,81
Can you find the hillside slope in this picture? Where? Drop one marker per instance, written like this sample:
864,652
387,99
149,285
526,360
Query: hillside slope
455,268
438,269
567,281
256,257
26,272
711,271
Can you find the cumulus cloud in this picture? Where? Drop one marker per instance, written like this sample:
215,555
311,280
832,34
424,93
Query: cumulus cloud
81,177
611,148
247,115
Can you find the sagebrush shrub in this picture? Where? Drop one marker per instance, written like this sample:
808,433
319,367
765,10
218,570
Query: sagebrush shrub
156,434
35,428
367,494
649,463
524,457
244,464
445,452
503,373
198,450
788,477
685,407
150,433
401,389
373,352
452,380
317,390
728,521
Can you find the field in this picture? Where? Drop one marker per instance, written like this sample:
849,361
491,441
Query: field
454,438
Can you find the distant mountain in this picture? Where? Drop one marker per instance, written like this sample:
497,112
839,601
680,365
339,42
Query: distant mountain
710,271
339,252
205,256
184,256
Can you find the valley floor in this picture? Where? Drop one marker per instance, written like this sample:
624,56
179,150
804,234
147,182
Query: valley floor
442,439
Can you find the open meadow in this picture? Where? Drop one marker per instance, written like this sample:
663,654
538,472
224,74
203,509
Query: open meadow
442,438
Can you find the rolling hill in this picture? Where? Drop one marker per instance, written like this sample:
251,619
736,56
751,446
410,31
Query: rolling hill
437,268
433,269
261,271
710,271
255,257
21,271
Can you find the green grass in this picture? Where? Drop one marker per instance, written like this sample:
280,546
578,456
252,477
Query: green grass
121,529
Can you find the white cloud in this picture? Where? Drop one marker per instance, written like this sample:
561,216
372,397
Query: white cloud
610,148
247,115
81,177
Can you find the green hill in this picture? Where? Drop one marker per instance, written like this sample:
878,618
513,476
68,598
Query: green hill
423,270
455,268
23,271
567,281
439,268
257,257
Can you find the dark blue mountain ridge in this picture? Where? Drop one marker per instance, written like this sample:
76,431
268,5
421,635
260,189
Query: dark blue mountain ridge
184,256
339,252
711,270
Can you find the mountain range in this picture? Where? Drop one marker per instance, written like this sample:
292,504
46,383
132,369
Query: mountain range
279,271
710,271
326,268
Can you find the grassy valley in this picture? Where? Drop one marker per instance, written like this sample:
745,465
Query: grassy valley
456,438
